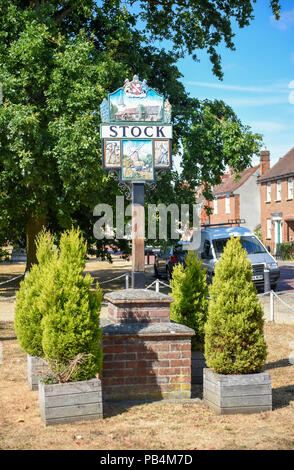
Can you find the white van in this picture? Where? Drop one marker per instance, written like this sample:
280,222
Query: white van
210,244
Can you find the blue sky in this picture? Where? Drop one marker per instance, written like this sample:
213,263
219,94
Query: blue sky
258,77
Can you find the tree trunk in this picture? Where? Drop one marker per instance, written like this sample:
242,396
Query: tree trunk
34,225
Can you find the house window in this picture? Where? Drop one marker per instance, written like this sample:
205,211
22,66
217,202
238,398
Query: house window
227,204
215,206
268,228
268,192
290,188
279,190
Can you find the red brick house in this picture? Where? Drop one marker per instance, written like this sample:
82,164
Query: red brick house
235,199
276,200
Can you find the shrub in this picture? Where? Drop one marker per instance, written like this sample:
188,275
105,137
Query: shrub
234,342
284,250
28,308
190,291
71,325
4,255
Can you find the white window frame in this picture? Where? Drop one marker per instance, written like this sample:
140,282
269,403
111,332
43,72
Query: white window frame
268,228
279,190
290,188
268,192
215,207
228,205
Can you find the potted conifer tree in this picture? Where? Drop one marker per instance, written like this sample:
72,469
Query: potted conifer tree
190,294
71,338
28,309
235,349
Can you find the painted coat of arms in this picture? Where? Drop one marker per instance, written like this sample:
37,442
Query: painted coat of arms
135,88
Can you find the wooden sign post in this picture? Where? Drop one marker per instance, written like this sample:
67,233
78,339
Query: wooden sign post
136,138
138,235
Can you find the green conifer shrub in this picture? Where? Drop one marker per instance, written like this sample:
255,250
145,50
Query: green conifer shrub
190,292
234,341
71,326
28,308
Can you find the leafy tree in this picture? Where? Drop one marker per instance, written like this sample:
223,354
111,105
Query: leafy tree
234,341
49,124
71,325
190,292
188,25
57,62
216,138
28,307
258,232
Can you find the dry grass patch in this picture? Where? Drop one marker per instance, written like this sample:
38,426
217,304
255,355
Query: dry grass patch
154,426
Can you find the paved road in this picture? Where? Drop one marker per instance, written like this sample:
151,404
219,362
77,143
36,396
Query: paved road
286,282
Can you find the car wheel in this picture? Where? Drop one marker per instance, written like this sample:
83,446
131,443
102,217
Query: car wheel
274,287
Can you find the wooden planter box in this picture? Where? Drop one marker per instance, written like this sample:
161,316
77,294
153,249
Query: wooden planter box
36,368
230,394
197,365
70,402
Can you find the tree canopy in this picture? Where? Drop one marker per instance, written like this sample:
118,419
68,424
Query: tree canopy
58,60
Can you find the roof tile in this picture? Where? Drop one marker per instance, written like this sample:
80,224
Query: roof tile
229,185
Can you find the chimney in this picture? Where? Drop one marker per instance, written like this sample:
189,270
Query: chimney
264,161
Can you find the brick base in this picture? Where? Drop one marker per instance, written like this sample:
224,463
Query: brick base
144,362
138,305
145,355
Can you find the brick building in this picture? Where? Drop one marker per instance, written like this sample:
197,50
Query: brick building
235,199
276,200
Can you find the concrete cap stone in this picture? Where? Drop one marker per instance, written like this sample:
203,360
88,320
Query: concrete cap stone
151,329
135,296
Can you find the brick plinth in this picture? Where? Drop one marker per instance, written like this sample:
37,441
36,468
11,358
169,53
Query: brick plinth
144,361
138,305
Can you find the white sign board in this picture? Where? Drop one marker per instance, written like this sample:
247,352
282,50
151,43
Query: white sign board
117,131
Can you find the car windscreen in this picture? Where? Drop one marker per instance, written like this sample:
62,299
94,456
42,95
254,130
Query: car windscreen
249,243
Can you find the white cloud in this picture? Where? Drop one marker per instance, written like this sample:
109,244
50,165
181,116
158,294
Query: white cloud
268,126
274,87
286,20
258,101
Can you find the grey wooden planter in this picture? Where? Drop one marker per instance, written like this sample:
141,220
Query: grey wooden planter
36,368
230,394
70,402
197,366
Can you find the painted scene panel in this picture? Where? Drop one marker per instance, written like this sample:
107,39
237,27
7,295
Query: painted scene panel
161,153
137,160
112,153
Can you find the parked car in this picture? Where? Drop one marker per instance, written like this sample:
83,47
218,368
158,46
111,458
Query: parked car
211,244
168,258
